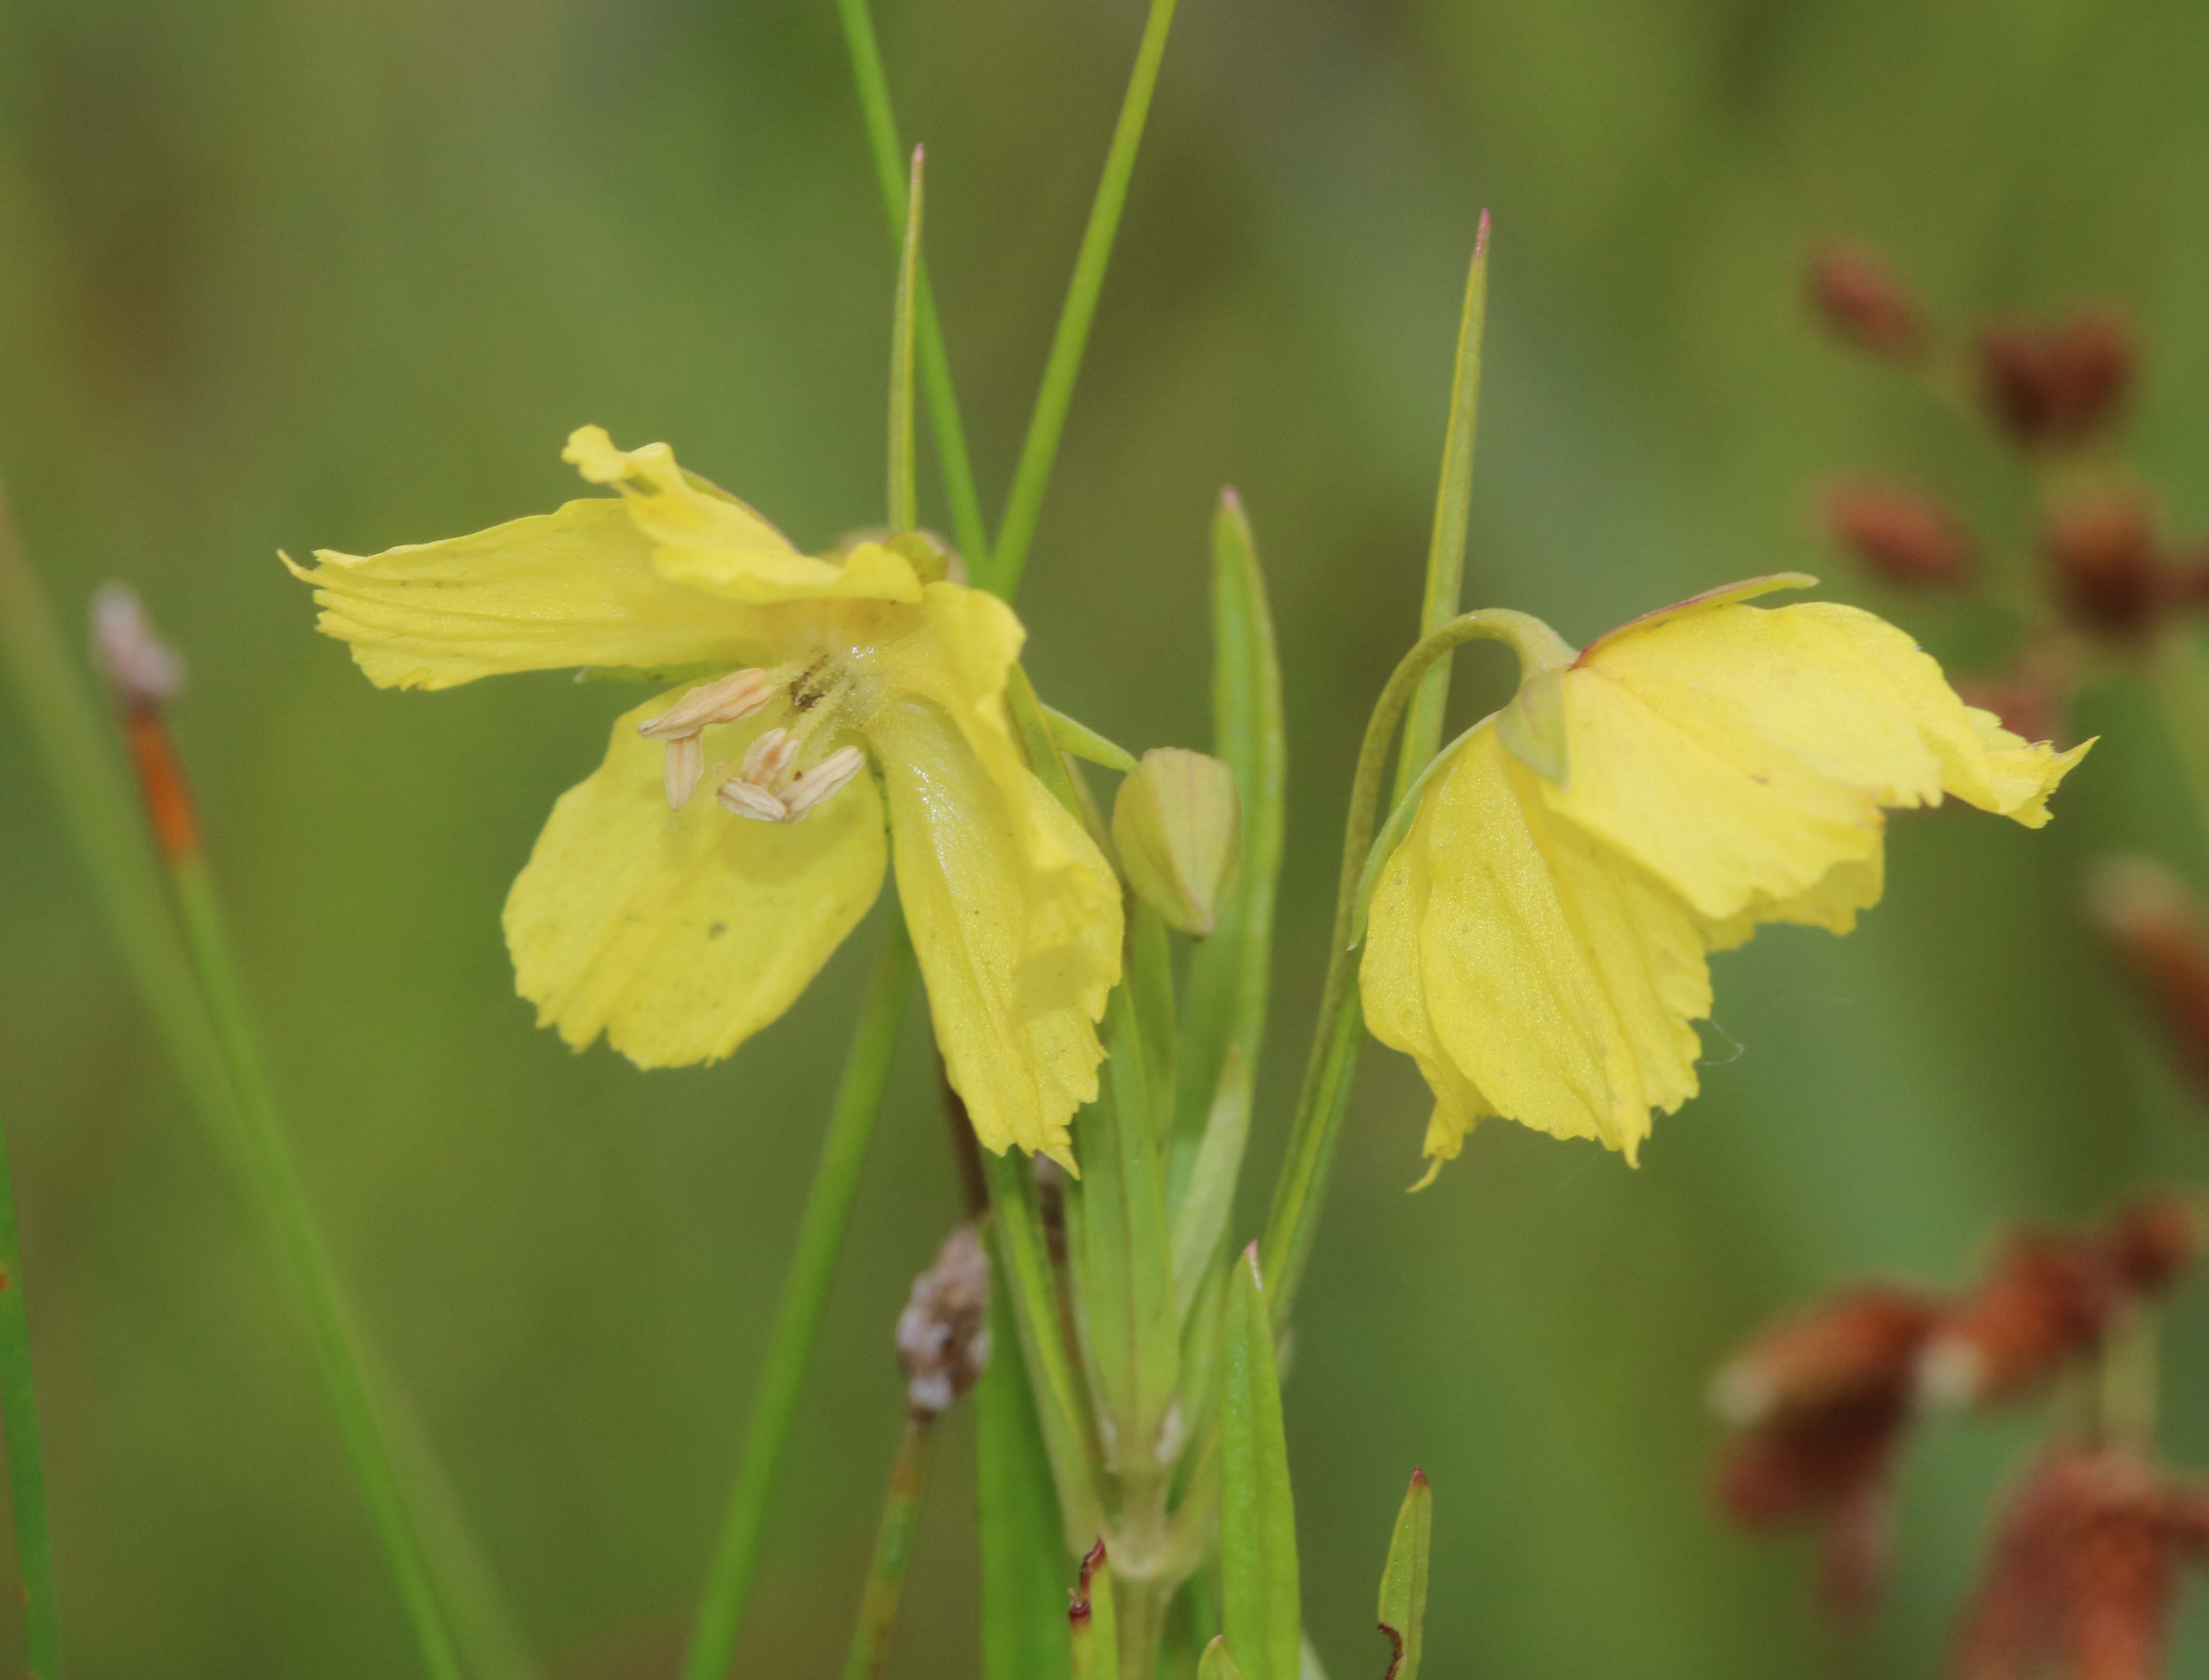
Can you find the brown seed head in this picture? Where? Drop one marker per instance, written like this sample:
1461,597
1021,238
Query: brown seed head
1859,1346
1906,537
2161,931
2045,1304
944,1333
2056,386
1860,298
2109,568
2151,1241
2028,700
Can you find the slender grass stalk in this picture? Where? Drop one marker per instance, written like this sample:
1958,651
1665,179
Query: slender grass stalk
878,1608
1302,1186
1031,478
283,1203
799,1315
26,1465
904,491
968,527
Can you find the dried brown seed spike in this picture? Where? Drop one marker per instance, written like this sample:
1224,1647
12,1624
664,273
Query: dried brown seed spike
1861,299
2056,386
2160,929
2108,564
1904,535
944,1333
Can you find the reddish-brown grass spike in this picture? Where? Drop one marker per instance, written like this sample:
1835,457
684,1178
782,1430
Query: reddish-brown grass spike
161,778
1077,1611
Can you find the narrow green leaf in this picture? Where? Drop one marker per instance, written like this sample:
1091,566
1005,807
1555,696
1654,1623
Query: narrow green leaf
1404,1582
1149,980
1031,1288
1200,1222
27,1471
878,1604
1023,1549
1258,1537
1126,1281
1422,724
904,491
1083,741
1031,477
1228,974
1217,1664
1308,1666
1094,1627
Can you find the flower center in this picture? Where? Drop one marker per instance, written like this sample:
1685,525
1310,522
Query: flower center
783,776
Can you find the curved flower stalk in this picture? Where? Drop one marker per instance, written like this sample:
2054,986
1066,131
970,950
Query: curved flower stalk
1539,942
682,896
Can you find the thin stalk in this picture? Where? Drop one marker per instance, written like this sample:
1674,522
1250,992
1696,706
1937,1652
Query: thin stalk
1297,1194
799,1315
283,1204
1031,478
26,1465
968,528
904,491
2179,677
878,1608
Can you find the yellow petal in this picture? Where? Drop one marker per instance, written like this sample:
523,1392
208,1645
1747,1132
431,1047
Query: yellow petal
1015,918
679,936
705,538
1559,981
571,588
1392,981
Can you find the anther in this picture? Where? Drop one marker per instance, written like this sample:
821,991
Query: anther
727,699
685,766
740,798
809,788
769,757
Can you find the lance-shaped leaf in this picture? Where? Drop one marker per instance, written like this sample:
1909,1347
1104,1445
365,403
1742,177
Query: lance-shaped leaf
1200,1223
1090,1618
1023,1555
1258,1525
1404,1582
1228,973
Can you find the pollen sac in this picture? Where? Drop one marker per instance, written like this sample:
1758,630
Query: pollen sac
810,787
1178,825
684,767
727,699
740,798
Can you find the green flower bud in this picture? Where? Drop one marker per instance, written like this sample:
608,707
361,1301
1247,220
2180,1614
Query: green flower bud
1179,827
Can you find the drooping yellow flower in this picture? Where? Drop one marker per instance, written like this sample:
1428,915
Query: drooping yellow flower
683,895
1538,943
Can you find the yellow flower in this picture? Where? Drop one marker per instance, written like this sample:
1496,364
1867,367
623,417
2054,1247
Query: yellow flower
682,896
1537,941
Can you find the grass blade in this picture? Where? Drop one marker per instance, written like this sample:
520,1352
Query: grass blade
1200,1223
799,1314
1258,1531
26,1465
1403,1612
968,528
1023,1548
1217,1663
1031,478
1228,974
1423,725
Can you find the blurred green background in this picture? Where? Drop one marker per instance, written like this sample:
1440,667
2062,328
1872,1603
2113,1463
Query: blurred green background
280,273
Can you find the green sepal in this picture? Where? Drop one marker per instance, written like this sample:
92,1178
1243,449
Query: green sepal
1078,738
1258,1525
1403,1613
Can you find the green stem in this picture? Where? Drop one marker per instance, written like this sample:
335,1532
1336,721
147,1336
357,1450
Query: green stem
799,1315
1033,477
878,1608
969,530
2180,681
904,494
284,1203
26,1465
1301,1189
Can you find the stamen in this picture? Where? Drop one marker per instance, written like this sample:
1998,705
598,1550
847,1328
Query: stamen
740,798
685,766
727,699
770,756
809,788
